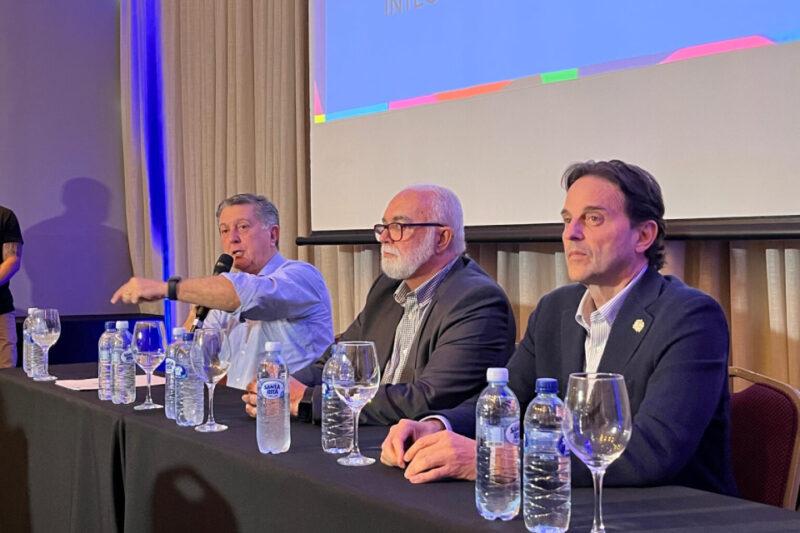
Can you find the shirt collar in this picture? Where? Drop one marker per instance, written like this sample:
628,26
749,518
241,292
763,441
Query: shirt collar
424,293
586,312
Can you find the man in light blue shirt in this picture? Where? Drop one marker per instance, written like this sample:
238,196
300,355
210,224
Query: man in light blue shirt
266,297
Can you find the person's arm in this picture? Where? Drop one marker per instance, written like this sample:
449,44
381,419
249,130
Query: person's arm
214,292
11,261
683,392
295,290
428,452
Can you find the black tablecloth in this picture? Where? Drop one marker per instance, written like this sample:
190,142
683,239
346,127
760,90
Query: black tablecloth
73,463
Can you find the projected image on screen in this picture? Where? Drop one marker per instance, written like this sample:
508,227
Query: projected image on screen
382,55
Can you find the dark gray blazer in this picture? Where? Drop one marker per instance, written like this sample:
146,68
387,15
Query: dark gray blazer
468,327
676,373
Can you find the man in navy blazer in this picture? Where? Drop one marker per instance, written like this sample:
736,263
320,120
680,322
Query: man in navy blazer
670,342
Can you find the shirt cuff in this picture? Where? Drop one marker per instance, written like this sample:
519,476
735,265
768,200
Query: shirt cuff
441,419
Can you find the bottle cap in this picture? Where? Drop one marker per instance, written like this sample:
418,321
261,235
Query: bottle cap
188,336
272,346
110,325
177,331
546,386
122,324
497,374
31,310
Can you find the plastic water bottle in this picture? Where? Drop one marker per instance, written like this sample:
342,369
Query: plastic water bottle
105,387
189,387
337,417
169,372
31,352
272,405
123,367
546,464
497,486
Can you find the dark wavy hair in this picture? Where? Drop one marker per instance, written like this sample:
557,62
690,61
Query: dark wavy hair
643,199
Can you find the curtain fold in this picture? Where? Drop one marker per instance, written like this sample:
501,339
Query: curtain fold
236,120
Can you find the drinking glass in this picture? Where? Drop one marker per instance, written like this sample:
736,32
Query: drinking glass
45,330
356,381
597,426
211,359
148,350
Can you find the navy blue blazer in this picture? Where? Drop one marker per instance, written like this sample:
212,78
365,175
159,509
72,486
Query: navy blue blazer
676,373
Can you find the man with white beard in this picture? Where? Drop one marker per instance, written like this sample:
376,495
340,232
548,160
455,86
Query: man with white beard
437,319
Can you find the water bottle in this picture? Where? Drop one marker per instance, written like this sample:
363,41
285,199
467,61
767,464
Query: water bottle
31,352
546,464
123,367
169,372
337,417
189,386
497,486
105,386
272,404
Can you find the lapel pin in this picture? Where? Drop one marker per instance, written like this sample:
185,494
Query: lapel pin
638,325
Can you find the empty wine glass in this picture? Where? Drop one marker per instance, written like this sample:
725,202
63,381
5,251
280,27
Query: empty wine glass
356,381
211,359
597,426
148,350
45,331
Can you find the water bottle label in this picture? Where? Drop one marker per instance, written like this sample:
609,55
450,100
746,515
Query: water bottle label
512,433
180,372
170,366
327,391
271,389
126,357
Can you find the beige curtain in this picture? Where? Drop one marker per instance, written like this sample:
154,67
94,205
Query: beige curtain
236,99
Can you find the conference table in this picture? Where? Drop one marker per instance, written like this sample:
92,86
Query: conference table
71,462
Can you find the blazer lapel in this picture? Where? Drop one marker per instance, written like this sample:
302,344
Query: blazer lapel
573,337
631,325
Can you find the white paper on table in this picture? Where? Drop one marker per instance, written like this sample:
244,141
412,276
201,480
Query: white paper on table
92,384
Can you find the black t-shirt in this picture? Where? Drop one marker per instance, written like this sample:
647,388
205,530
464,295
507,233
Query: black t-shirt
9,232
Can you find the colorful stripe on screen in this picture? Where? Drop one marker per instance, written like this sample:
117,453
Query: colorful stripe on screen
691,52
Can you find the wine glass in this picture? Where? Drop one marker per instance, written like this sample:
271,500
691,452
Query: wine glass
148,350
211,359
597,426
356,381
45,331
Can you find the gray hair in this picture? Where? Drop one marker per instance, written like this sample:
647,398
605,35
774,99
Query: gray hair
266,211
445,209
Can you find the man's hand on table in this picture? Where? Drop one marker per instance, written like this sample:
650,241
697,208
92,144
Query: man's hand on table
296,391
434,454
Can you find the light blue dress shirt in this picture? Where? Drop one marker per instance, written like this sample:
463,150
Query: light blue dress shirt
288,302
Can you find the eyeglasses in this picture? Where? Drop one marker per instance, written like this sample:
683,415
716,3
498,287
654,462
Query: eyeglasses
395,229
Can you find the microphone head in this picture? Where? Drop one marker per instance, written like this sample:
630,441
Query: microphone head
223,264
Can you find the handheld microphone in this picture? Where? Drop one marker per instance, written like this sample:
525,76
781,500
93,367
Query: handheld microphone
223,264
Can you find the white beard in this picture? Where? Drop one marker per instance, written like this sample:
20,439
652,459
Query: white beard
403,267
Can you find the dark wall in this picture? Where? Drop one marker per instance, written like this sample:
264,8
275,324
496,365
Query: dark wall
79,336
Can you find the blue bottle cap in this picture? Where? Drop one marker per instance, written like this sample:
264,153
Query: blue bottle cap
110,325
546,386
188,336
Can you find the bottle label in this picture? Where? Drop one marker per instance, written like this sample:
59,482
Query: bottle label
180,372
512,433
170,366
126,356
327,391
271,389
